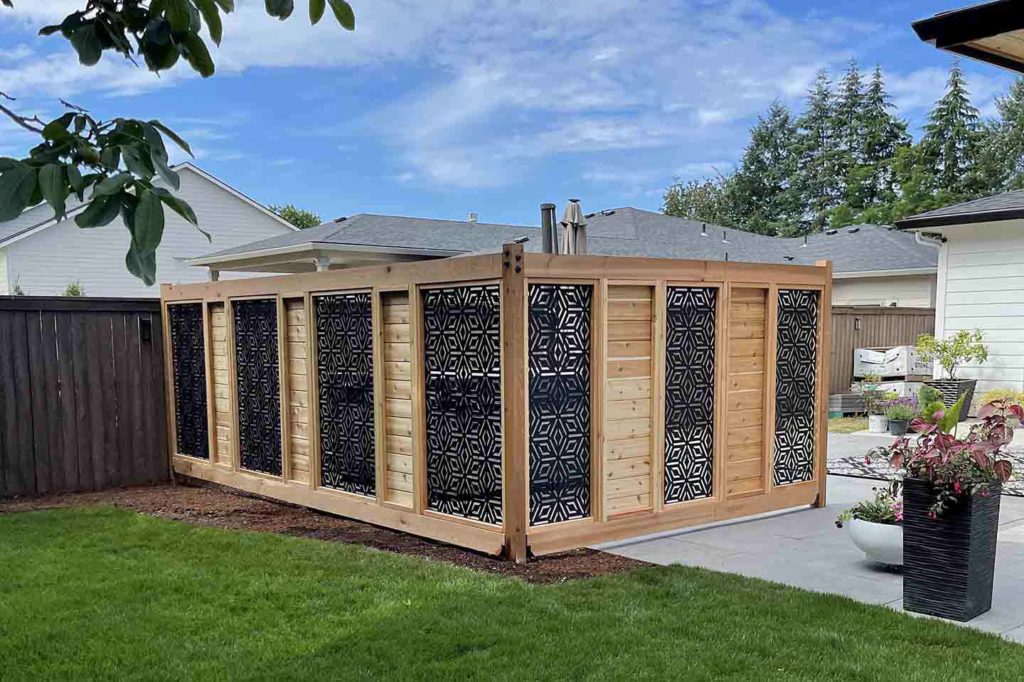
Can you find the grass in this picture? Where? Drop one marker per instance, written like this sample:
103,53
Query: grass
103,593
847,424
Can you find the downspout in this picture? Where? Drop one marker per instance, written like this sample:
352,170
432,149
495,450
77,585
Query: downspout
928,241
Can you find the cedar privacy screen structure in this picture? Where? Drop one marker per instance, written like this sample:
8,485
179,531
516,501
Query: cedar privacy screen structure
526,403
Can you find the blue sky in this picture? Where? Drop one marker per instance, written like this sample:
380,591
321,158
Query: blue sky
442,107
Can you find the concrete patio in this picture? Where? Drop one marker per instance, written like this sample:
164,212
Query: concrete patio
803,548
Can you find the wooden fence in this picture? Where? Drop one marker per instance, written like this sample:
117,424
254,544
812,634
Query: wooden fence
872,327
529,403
81,394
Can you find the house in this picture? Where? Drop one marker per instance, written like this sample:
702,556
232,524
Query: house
40,256
981,279
873,265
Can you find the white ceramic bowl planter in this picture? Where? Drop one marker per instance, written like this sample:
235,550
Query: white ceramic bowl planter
881,542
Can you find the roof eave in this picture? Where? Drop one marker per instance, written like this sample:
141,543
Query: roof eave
951,31
900,272
922,222
315,248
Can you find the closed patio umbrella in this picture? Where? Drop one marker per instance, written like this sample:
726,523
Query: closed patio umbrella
574,229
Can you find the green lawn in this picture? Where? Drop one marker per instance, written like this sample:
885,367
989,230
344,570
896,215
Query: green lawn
103,593
847,424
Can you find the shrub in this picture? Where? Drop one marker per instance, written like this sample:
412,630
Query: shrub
901,410
1003,395
74,289
886,507
964,346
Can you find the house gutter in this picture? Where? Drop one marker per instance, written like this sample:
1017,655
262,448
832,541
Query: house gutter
884,273
312,247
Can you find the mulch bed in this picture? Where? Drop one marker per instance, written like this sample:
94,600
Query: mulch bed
218,507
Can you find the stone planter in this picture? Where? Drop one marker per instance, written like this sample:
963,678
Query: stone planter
880,542
898,428
878,423
949,562
952,389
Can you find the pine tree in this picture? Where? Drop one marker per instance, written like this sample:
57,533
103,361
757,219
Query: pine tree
762,191
815,182
884,134
1002,156
849,128
951,144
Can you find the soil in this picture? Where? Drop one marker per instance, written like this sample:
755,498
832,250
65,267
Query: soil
218,507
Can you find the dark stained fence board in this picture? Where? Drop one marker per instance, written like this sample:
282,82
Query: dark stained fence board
871,327
69,420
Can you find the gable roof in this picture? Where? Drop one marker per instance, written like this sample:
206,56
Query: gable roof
1005,206
621,232
40,217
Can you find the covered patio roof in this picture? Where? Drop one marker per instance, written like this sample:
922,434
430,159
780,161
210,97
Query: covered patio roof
992,32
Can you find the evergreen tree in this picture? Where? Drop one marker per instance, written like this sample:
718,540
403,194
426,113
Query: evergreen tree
1002,155
762,191
952,140
849,126
874,181
815,183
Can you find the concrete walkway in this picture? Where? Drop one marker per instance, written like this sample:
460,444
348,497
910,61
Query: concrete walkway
804,549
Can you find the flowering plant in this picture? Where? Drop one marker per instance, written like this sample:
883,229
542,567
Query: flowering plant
901,409
887,507
957,466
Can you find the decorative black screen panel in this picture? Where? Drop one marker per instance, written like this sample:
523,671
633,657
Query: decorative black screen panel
344,352
258,382
689,392
796,366
462,351
559,361
188,358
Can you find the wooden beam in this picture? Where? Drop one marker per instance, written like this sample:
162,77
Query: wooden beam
514,402
824,368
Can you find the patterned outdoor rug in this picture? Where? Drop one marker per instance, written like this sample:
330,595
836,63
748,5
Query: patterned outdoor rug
880,470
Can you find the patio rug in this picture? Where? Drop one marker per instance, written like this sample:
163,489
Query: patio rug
880,470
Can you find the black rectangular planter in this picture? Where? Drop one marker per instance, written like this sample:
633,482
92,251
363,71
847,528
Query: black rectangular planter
949,562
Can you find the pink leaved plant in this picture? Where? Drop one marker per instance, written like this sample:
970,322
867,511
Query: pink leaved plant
957,466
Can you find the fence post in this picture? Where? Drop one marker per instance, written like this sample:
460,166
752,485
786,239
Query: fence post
514,401
824,365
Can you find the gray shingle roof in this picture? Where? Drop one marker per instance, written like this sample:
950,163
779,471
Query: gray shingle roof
1005,206
619,232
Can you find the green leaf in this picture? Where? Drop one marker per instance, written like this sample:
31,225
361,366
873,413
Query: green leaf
142,265
282,9
212,18
58,127
137,160
179,206
75,180
149,222
7,163
227,5
112,184
110,157
16,187
178,15
100,211
344,14
198,56
54,188
316,10
87,44
173,135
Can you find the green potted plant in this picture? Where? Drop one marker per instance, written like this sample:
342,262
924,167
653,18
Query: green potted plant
899,412
951,496
876,525
952,353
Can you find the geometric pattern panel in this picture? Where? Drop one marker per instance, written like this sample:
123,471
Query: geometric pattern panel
689,392
258,385
559,366
796,363
344,352
188,359
462,372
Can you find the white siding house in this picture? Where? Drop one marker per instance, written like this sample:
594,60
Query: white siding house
41,256
981,281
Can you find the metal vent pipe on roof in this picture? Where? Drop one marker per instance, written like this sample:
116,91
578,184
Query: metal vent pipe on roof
548,234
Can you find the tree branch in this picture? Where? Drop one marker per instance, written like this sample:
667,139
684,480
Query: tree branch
25,122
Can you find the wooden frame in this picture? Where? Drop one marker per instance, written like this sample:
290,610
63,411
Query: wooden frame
514,270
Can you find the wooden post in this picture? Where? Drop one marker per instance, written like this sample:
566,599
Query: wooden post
824,365
379,420
171,425
514,401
